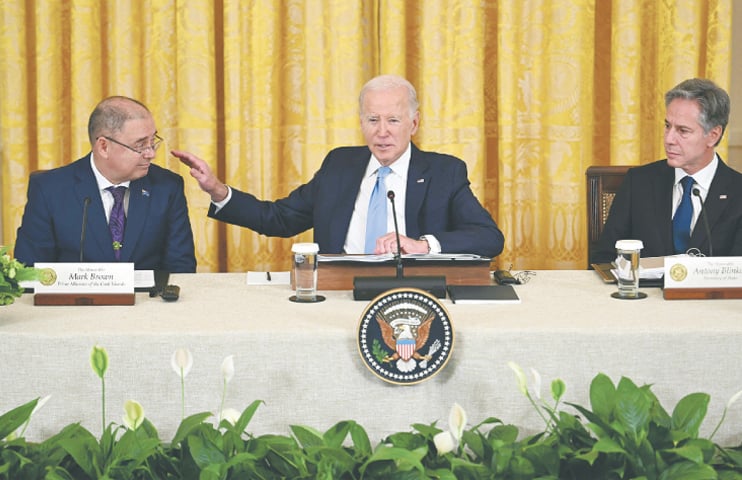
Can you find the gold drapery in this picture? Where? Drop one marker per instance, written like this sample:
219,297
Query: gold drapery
528,92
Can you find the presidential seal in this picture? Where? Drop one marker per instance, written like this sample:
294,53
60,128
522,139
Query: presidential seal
678,272
405,336
47,276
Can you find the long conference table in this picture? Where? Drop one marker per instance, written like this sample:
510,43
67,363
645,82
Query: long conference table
302,360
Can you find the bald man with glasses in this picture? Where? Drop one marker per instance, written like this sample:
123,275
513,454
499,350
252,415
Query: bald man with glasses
129,209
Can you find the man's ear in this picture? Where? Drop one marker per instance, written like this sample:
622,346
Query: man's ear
714,135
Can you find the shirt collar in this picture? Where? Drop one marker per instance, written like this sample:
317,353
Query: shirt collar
399,167
102,181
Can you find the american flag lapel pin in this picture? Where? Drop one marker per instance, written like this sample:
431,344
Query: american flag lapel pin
723,197
145,193
420,180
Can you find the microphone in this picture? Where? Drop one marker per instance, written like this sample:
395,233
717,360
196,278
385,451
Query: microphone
368,288
83,229
400,267
697,193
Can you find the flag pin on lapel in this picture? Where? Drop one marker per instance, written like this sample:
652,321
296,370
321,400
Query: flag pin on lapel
145,193
420,180
723,197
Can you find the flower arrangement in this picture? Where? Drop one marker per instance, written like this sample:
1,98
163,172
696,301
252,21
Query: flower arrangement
12,272
624,434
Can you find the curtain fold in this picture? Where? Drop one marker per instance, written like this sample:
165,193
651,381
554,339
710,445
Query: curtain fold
528,93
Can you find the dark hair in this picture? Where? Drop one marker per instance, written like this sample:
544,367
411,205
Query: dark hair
712,100
111,113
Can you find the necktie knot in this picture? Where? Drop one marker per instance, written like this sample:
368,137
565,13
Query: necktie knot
118,193
687,183
382,172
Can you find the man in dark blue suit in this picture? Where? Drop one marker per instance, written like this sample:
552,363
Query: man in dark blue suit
65,201
646,205
440,212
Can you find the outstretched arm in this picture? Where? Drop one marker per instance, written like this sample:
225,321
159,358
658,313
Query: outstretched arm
204,176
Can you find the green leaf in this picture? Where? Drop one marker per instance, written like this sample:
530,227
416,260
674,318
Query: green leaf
13,419
204,452
360,440
404,459
83,448
307,436
688,471
187,425
602,397
247,415
336,435
690,412
632,409
608,445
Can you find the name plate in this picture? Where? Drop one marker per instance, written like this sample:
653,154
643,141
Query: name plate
85,278
703,277
703,272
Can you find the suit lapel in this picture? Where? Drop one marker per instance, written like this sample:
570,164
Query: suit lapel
715,204
418,180
140,193
97,234
662,201
348,185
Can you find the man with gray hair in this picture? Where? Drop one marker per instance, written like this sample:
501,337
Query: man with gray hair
667,204
346,200
112,205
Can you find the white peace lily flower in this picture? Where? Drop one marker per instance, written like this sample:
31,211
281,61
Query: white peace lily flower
42,401
536,383
444,442
134,414
231,415
734,398
228,368
522,382
457,421
182,361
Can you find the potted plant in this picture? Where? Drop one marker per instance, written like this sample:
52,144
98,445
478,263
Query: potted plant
12,273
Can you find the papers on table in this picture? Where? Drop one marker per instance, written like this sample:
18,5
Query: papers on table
386,257
650,268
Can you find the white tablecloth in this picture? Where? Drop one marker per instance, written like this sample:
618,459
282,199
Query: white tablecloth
303,361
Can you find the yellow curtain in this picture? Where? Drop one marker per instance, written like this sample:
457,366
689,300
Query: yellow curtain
528,92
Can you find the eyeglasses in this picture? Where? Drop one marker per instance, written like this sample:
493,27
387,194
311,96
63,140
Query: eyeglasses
157,141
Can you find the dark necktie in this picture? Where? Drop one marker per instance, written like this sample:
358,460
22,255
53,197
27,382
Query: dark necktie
682,219
117,221
376,220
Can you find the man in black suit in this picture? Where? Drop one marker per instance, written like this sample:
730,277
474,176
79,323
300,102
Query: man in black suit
649,203
438,211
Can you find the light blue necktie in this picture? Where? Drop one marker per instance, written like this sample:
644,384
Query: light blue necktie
376,220
681,220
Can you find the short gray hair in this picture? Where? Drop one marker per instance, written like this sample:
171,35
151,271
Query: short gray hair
111,113
388,82
712,100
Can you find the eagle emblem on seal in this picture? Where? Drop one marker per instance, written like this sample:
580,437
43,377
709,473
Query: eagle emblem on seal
405,336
